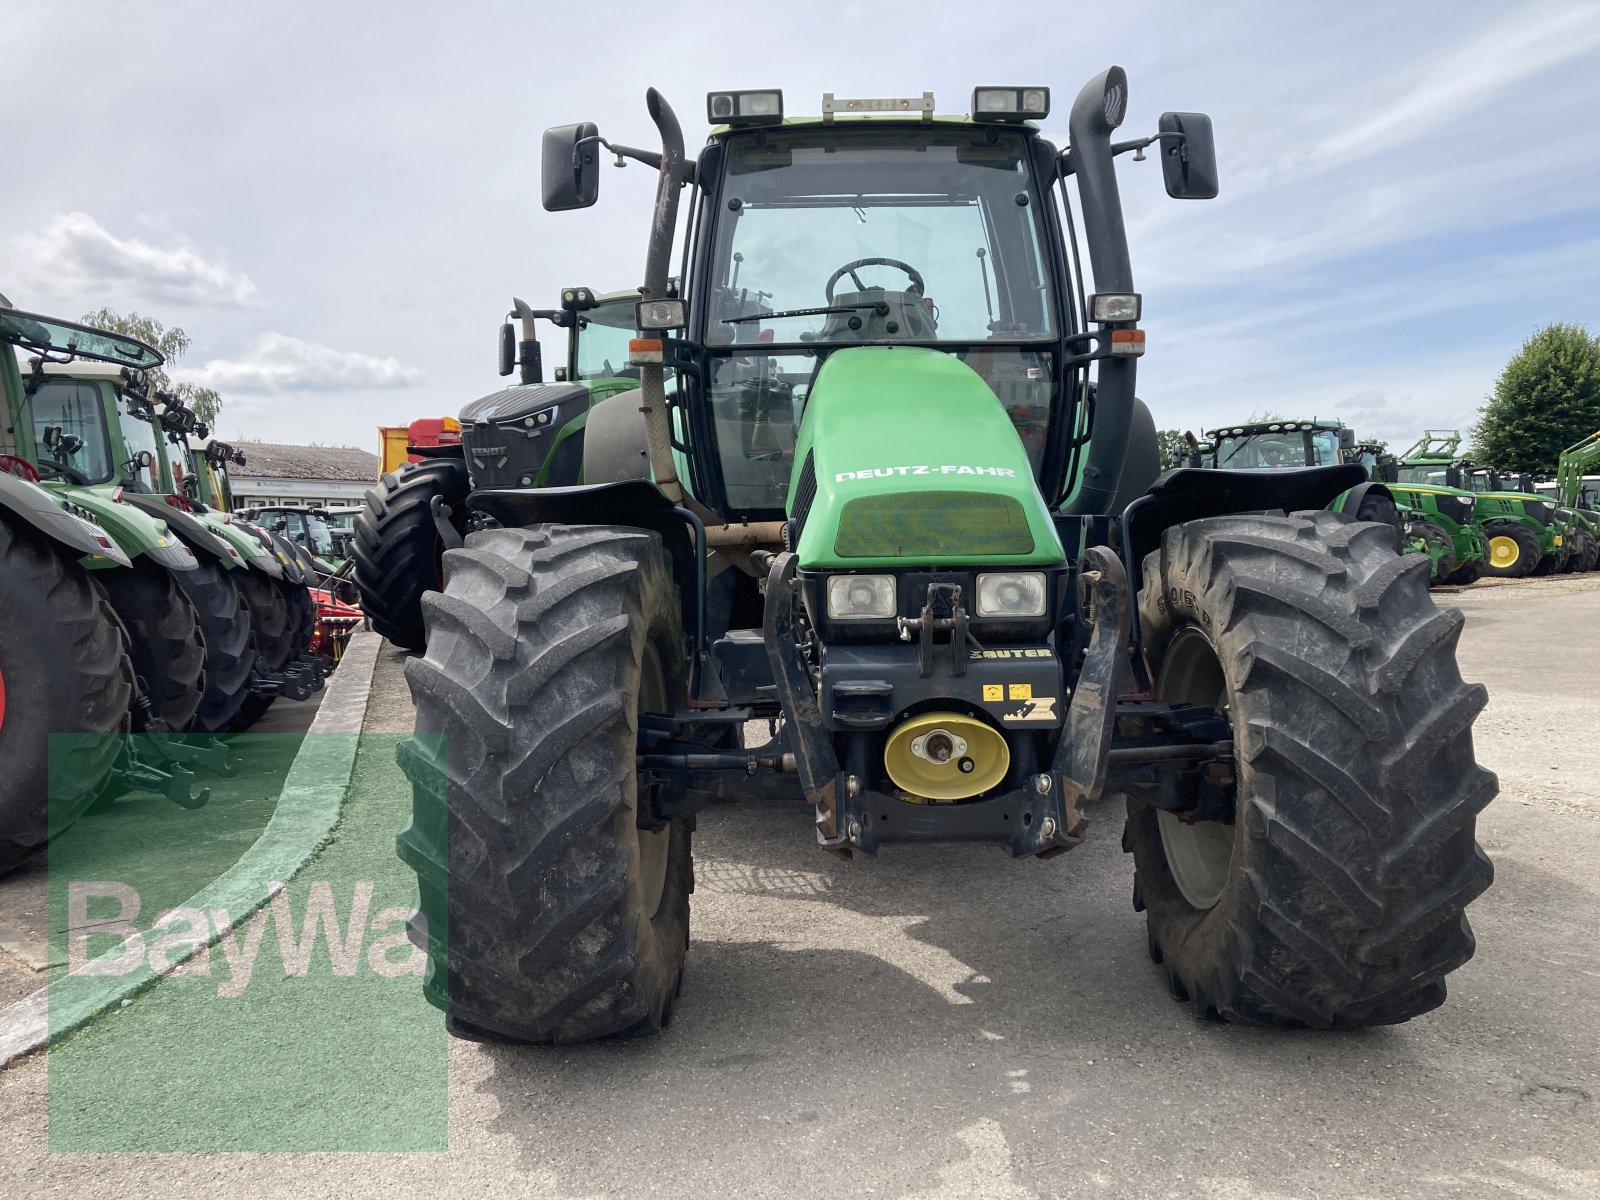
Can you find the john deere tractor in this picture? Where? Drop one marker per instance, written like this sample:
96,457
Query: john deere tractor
1579,495
527,435
1525,534
875,509
1521,538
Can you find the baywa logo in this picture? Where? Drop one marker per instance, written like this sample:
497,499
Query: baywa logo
186,933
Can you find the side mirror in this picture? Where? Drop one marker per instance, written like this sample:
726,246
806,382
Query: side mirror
570,172
1389,472
1347,439
1188,163
1452,477
508,348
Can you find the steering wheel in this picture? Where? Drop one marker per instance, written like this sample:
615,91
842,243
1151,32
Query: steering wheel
49,466
850,269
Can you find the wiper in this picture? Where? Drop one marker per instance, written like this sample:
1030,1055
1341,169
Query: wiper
877,306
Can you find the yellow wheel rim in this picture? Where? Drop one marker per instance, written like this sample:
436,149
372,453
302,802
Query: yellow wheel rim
1504,551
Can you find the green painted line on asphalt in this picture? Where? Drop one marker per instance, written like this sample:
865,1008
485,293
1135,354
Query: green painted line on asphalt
307,810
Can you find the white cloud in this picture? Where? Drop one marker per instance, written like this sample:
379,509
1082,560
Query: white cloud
1524,43
278,363
76,261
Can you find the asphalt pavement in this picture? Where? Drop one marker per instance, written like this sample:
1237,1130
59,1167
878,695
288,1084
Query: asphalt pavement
940,1023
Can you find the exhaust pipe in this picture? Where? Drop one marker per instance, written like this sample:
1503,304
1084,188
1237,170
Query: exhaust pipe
658,258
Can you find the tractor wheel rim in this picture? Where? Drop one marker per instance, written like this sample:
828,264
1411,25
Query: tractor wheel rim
1504,551
654,844
1199,854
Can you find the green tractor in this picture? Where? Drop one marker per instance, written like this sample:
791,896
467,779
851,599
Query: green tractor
283,615
1579,496
528,435
1454,556
72,563
97,452
1525,533
884,511
1521,536
1276,445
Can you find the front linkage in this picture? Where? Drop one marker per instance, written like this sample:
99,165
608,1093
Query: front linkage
1180,756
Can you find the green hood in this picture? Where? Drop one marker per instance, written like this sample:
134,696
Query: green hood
906,459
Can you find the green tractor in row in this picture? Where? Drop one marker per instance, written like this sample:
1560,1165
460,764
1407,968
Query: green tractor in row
900,505
277,590
1578,495
1522,536
527,435
101,636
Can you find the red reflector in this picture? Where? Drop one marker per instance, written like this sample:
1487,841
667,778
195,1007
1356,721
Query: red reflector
1127,341
643,351
179,503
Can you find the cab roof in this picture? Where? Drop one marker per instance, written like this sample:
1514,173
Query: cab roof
1244,428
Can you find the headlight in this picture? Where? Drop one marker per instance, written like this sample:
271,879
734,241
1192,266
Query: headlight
1011,594
861,597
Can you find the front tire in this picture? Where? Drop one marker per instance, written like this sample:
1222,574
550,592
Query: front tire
64,669
224,620
1512,551
397,547
1336,895
1441,552
552,916
164,642
273,635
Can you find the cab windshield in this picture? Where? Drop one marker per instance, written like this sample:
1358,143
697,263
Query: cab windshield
1262,451
69,429
952,214
826,238
139,437
603,337
1439,476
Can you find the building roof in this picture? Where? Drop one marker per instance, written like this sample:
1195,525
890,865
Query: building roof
273,460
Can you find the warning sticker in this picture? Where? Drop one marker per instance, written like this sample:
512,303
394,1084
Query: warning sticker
994,691
1040,708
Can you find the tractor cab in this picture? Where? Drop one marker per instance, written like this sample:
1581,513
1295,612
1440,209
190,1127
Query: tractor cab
1274,445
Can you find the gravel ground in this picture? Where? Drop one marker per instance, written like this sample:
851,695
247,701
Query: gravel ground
955,1024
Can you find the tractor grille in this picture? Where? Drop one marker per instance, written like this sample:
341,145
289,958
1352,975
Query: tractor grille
923,524
805,493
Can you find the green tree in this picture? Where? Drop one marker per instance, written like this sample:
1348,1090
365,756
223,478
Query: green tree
1547,397
171,343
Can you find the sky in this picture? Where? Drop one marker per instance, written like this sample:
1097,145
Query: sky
337,201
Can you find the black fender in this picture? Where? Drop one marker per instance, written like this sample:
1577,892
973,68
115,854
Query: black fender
184,527
637,502
447,450
1189,494
32,506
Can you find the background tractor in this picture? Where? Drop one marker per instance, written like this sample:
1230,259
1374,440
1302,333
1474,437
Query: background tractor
1282,445
65,670
283,607
901,505
526,435
1521,538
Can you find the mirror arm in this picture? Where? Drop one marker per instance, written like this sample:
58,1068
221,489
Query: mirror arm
1139,144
